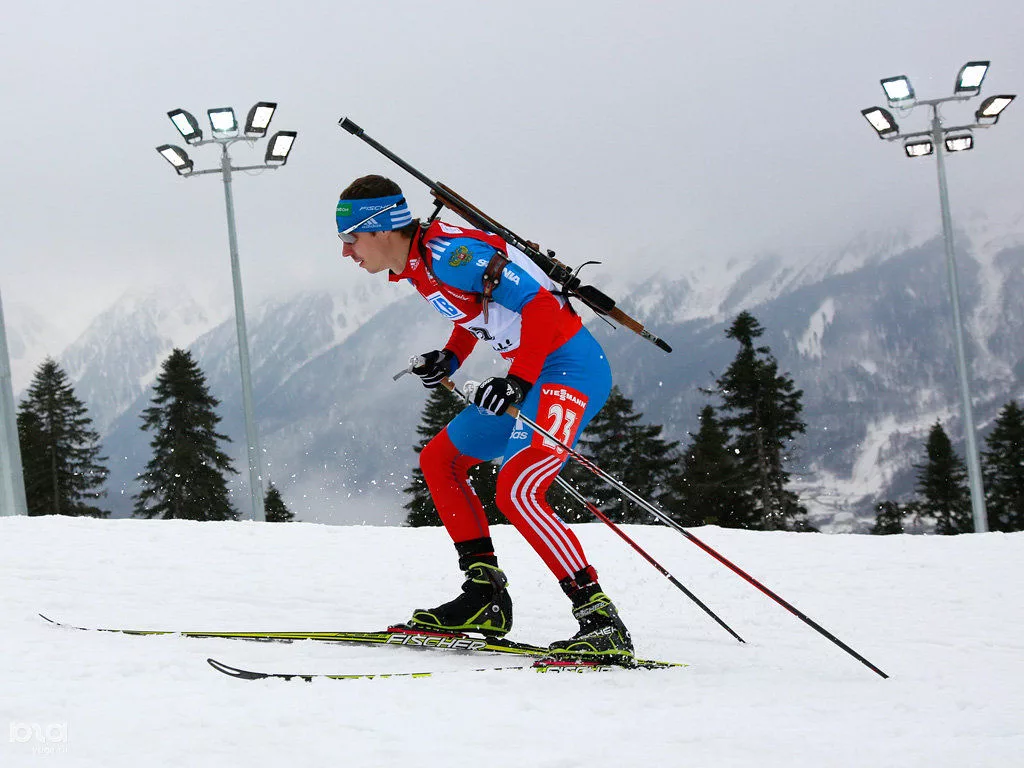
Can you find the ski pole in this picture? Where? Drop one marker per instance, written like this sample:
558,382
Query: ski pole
643,503
450,386
567,486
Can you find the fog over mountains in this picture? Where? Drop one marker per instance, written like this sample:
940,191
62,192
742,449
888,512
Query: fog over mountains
865,333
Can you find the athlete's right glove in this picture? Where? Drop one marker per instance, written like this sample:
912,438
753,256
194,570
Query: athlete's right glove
436,365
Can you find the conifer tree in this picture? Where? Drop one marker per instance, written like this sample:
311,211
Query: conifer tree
185,479
63,470
942,486
274,507
1003,470
709,490
762,413
888,518
440,408
633,453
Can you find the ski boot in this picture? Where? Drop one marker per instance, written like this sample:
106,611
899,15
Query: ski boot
484,605
602,636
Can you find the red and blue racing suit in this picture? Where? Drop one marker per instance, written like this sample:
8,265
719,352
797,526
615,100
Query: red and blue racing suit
546,343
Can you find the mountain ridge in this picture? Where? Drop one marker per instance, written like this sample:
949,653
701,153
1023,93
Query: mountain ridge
865,333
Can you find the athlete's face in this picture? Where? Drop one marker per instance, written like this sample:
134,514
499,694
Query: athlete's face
373,251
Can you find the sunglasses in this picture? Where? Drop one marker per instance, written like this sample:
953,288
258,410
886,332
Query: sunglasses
346,235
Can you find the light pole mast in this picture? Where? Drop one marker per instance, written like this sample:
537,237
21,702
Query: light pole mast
12,479
225,132
978,510
251,436
939,139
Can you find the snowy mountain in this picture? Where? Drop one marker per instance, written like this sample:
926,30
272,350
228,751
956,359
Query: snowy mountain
31,337
865,332
870,344
119,354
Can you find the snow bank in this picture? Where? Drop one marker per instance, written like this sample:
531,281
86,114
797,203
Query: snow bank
941,615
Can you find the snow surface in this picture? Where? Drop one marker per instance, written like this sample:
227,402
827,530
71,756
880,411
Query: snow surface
941,615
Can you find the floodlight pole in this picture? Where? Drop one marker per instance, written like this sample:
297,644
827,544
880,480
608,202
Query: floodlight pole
251,436
937,133
258,512
973,463
12,479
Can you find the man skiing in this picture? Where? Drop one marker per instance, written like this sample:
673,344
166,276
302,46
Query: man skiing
558,376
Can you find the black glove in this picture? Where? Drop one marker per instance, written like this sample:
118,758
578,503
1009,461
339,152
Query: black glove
498,393
436,365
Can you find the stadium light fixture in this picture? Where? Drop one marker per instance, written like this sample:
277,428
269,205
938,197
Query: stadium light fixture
881,120
177,157
991,108
259,118
968,81
187,125
918,147
279,147
898,90
959,142
223,122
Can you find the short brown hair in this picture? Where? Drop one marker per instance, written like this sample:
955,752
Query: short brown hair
366,187
372,185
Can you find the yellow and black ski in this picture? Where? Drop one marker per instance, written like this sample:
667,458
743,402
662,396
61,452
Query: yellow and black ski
398,635
539,665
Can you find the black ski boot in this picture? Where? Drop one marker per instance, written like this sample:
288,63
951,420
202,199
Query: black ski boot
484,605
602,636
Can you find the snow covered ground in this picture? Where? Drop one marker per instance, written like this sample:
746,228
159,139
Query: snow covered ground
942,616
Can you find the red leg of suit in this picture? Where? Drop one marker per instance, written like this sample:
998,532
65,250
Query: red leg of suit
523,483
444,470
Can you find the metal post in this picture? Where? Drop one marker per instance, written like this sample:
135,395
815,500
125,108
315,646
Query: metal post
12,479
973,464
252,441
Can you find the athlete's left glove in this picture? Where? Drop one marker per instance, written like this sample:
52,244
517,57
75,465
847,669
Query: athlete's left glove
498,393
437,364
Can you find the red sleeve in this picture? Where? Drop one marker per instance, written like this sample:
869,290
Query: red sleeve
542,316
461,343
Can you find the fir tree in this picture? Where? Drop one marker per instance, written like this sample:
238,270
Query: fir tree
185,479
63,470
633,453
440,408
274,507
709,490
1003,470
762,413
942,486
888,518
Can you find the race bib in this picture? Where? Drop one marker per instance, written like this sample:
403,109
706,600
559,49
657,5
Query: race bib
559,413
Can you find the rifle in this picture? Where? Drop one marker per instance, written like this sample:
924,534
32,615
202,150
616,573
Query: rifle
445,197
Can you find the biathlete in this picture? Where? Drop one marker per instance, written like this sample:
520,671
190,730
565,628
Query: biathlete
558,376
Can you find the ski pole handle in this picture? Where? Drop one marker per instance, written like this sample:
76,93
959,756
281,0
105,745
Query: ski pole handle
469,392
414,362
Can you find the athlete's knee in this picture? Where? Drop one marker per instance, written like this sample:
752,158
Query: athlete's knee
523,484
503,493
438,456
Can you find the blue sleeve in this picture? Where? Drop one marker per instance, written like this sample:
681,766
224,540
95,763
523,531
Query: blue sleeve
461,263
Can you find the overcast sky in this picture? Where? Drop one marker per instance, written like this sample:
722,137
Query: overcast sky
673,132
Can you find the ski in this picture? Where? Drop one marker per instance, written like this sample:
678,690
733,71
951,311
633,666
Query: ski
539,665
398,635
